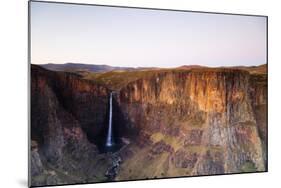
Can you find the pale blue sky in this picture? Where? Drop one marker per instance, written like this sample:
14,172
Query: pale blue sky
62,33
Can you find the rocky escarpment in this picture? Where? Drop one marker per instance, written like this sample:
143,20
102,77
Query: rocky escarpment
258,93
66,112
174,122
197,122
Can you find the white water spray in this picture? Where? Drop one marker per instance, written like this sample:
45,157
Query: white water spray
109,141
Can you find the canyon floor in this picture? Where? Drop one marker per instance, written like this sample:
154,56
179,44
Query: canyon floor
185,121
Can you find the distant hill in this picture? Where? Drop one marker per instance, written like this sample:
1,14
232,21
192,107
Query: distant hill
78,67
117,77
191,67
261,69
85,69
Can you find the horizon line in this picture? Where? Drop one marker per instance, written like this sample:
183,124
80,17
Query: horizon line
226,66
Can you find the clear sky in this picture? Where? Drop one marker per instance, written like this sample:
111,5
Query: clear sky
62,33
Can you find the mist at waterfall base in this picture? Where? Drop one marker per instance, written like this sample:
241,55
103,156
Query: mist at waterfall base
110,140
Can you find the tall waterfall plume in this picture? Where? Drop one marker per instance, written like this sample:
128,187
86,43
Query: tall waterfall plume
109,139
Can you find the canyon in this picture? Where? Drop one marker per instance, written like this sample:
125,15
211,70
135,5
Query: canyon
186,121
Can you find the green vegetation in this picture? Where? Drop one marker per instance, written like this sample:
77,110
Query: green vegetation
248,166
170,140
117,79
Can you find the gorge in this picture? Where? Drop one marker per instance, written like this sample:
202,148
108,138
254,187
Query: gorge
185,121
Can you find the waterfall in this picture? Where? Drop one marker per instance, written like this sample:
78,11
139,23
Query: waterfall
109,141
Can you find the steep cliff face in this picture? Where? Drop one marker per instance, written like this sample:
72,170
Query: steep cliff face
203,121
65,112
258,93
